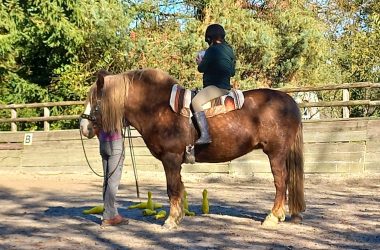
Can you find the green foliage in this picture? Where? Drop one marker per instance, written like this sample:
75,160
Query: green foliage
50,50
8,37
287,46
359,54
255,42
355,34
53,48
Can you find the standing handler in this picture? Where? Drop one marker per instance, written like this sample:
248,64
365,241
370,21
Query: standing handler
111,147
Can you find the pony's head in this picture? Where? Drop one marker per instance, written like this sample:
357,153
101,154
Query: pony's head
105,104
89,117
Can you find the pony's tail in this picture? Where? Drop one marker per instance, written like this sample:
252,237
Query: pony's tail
294,165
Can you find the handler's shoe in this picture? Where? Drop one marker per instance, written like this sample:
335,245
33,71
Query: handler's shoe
117,220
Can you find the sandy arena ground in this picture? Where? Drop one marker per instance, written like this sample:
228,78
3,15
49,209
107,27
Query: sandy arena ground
44,211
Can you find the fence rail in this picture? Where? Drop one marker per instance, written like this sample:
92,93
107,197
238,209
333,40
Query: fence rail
41,104
340,104
345,103
331,87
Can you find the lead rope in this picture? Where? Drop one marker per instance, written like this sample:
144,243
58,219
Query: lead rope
85,155
88,162
130,142
131,149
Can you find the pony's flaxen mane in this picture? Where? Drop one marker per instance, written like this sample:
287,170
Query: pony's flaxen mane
115,94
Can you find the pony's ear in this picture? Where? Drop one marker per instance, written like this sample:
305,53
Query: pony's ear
100,78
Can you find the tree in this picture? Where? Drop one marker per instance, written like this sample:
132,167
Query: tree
285,45
50,50
57,46
355,33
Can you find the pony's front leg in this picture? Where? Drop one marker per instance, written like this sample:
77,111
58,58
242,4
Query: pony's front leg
280,174
175,189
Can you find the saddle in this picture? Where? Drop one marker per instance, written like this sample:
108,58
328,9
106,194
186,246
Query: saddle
180,100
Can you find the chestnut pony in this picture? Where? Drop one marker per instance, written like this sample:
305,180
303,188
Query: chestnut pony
269,120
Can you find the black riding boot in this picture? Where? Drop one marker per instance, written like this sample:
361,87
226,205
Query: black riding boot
203,127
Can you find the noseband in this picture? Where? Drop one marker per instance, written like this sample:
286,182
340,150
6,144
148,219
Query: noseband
88,117
93,113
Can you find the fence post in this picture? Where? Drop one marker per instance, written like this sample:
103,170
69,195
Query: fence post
13,124
346,97
46,123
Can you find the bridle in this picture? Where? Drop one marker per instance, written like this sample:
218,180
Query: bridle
93,114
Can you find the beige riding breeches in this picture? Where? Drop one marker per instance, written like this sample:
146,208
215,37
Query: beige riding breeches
205,95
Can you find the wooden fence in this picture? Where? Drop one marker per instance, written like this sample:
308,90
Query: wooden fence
345,103
46,118
331,146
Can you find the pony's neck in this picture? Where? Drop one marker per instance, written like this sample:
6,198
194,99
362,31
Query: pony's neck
148,99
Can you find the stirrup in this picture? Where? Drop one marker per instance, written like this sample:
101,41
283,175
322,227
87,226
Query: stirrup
201,141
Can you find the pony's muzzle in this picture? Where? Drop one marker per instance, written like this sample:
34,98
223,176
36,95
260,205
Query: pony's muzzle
86,128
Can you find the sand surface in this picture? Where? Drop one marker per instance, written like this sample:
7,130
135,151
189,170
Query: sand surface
44,211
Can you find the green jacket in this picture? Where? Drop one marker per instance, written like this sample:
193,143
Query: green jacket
218,66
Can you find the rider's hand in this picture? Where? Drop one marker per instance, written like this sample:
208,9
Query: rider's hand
200,56
198,60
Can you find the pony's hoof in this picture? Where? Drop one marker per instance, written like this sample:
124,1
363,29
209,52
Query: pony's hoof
170,225
270,221
296,218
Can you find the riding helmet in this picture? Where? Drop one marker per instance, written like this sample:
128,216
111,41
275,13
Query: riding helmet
214,32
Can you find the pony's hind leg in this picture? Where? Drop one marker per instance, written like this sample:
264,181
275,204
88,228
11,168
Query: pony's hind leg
279,171
175,189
